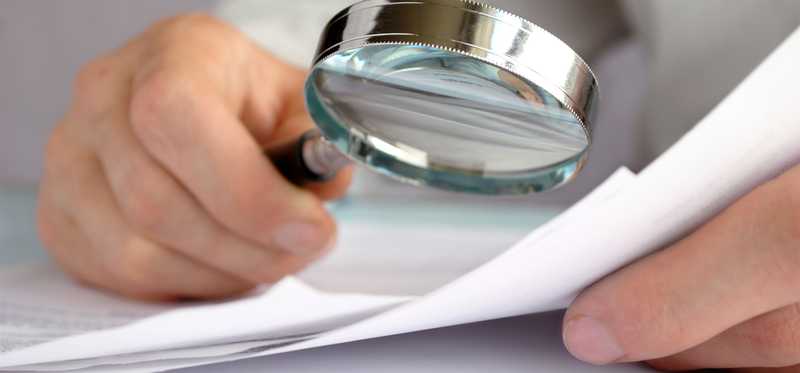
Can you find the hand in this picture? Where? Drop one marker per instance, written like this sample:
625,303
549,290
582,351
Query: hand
726,296
156,185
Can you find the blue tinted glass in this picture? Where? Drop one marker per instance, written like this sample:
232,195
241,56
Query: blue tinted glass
440,118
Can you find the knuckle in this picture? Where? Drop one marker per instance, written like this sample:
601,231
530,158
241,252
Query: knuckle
144,197
196,25
90,85
142,207
191,37
157,94
159,99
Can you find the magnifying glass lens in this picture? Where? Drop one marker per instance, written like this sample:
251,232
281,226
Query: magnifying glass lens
441,118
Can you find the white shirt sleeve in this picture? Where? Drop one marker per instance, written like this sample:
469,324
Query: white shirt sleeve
288,29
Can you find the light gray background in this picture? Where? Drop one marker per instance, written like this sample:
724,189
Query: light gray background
42,45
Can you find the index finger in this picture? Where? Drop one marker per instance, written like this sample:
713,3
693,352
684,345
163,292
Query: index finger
186,117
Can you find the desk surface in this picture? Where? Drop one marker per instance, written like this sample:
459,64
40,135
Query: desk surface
529,344
524,344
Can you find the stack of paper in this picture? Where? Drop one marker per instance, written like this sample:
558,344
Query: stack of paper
752,137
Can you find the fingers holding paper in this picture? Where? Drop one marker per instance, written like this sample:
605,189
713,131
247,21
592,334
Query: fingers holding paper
726,296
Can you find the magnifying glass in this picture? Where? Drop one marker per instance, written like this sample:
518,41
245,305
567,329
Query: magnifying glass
451,94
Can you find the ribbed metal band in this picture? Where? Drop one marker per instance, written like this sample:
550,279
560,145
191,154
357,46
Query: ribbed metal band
475,30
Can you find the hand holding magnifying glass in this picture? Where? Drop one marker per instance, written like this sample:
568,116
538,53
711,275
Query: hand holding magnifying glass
445,93
450,94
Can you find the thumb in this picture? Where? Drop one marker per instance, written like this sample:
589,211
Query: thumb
276,116
739,265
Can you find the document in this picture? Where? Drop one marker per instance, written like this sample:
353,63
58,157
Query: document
38,305
267,321
48,318
48,323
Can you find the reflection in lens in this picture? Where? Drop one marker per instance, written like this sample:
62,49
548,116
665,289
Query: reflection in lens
440,110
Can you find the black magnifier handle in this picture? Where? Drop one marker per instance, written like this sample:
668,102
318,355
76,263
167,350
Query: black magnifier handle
309,159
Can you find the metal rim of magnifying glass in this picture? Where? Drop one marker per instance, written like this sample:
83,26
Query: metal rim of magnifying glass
486,33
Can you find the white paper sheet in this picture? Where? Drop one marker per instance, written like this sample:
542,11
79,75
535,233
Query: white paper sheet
39,304
289,310
129,361
187,345
751,137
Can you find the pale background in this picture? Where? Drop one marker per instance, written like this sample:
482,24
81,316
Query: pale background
42,45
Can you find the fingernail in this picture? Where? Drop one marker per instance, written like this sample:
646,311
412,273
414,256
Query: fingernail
590,341
300,238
